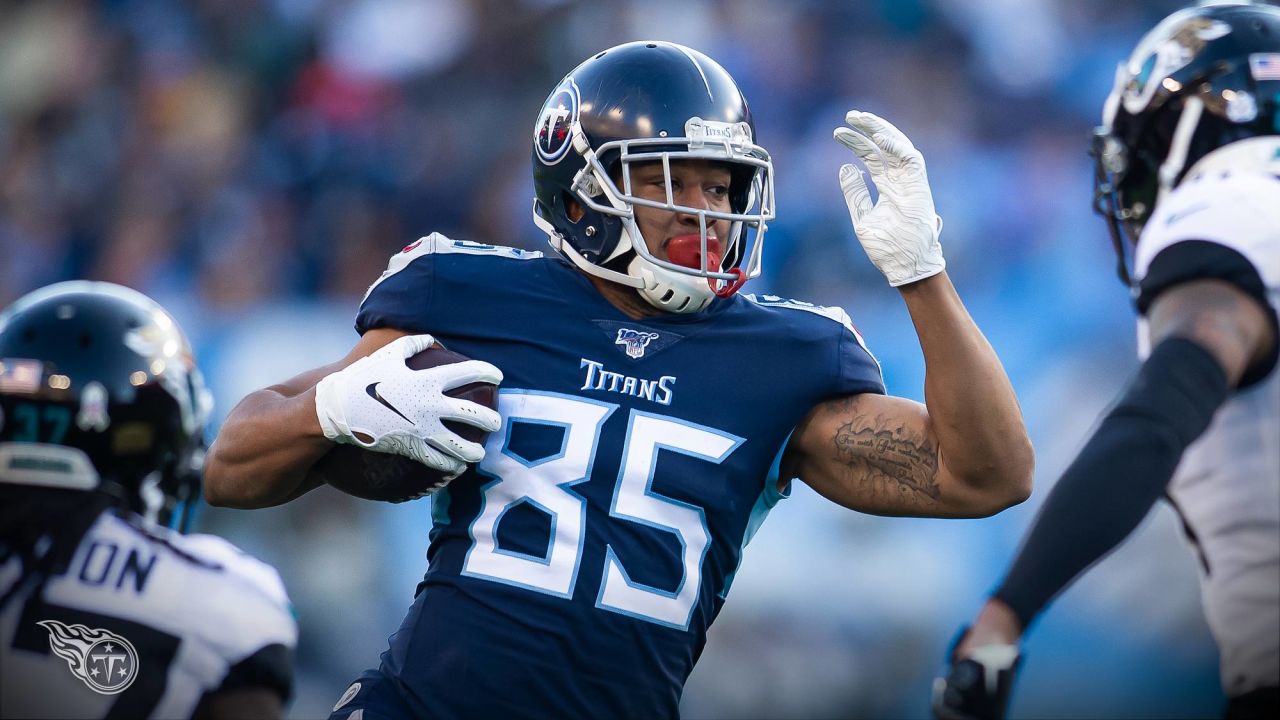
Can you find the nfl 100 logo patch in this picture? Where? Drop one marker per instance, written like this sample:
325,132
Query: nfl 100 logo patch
637,342
634,341
103,660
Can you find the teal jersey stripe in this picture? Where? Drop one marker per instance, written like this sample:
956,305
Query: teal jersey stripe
769,497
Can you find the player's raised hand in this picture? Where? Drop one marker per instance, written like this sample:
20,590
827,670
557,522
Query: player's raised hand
977,684
380,403
900,231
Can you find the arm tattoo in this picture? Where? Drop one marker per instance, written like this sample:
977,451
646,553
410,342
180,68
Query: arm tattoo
882,453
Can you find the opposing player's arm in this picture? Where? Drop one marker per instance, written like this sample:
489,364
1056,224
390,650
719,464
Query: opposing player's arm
258,703
270,440
965,453
257,686
1208,335
1220,317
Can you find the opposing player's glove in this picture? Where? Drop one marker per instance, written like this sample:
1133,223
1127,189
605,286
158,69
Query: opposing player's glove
977,686
900,232
381,404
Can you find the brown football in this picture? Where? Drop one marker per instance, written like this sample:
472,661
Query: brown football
395,478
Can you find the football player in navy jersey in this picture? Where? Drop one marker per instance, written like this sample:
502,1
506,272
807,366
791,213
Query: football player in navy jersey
105,610
1189,181
650,414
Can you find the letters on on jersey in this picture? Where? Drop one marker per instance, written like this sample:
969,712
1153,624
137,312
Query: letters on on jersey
659,390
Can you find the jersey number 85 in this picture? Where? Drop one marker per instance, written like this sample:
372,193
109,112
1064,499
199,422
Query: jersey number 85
548,483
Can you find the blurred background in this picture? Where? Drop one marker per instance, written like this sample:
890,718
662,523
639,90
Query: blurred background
251,164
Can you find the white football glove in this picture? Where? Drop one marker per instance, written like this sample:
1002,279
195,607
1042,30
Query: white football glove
379,403
900,232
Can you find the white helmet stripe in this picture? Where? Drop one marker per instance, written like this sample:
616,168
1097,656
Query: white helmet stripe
685,51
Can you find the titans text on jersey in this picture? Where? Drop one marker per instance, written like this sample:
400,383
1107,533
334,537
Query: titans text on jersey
658,390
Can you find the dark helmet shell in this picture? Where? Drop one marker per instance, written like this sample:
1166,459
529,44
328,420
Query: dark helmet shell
103,370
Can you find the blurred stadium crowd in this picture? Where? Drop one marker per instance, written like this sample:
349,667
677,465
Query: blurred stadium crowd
251,164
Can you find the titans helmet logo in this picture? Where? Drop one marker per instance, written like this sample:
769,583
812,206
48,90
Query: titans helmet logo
551,135
635,341
104,661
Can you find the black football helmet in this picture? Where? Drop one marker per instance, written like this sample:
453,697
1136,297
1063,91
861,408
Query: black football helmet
1205,77
644,102
99,392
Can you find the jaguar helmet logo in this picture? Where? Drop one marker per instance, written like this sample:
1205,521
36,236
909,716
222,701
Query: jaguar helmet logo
1165,51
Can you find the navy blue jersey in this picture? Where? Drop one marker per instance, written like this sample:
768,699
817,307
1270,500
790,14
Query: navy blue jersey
574,572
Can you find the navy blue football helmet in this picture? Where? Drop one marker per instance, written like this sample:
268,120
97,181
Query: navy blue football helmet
645,102
1204,77
99,392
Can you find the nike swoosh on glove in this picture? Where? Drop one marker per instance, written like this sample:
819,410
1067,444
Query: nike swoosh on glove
381,404
900,231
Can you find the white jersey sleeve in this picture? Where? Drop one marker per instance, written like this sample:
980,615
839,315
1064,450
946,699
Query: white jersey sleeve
1237,211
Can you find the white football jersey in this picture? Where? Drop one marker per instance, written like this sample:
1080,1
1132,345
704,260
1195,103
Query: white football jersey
1227,487
144,622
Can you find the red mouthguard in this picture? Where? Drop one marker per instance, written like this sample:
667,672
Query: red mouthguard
686,250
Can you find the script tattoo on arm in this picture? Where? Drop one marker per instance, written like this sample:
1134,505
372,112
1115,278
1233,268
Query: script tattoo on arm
884,451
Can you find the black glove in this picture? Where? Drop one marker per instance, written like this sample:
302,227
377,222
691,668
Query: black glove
976,687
